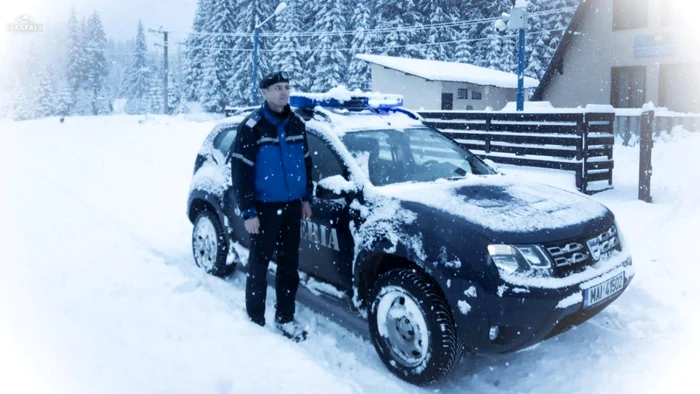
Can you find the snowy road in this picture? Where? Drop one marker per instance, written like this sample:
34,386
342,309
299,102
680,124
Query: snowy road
98,292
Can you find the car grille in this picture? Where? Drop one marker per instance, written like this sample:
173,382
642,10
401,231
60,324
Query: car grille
573,256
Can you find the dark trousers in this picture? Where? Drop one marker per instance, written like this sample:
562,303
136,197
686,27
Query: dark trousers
279,230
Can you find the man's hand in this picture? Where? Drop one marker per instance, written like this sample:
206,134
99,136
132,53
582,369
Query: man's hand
306,210
252,225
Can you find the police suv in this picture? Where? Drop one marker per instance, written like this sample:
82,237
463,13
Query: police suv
439,252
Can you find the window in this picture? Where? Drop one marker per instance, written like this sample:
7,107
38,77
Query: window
476,95
628,87
470,107
679,89
630,14
462,94
223,141
413,155
325,163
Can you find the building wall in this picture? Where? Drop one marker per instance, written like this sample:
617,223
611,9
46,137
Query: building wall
491,96
586,77
420,94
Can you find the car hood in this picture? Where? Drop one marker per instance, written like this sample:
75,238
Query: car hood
504,209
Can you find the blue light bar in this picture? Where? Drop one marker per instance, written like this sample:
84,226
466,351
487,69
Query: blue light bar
356,102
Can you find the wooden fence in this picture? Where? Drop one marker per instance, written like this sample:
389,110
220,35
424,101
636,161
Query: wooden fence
580,141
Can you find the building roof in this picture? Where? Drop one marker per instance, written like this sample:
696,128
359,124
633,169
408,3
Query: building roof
556,64
434,70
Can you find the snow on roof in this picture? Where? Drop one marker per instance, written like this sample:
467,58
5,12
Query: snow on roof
343,121
448,71
341,93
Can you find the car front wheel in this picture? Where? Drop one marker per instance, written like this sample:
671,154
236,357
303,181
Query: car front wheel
412,327
210,244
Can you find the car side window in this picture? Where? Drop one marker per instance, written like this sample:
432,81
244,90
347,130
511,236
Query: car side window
324,161
223,141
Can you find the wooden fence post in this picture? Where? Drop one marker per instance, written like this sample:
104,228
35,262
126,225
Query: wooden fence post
646,143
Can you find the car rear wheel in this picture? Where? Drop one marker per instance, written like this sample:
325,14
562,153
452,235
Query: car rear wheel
210,244
412,327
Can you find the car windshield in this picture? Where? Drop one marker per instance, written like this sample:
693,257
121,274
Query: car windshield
413,155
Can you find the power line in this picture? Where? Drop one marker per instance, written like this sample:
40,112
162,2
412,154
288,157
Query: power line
494,37
370,31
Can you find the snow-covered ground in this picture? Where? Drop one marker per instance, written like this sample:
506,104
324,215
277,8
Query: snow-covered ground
99,294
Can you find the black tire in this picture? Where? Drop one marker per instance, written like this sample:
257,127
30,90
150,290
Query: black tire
210,245
409,289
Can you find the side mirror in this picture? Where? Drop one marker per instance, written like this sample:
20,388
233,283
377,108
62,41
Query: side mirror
335,187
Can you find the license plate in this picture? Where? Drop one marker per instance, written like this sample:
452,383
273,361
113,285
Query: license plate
603,291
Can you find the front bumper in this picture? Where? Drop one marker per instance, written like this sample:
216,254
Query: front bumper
526,315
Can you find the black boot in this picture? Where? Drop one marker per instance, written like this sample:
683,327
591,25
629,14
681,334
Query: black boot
292,330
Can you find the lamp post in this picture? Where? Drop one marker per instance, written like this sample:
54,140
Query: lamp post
517,20
279,9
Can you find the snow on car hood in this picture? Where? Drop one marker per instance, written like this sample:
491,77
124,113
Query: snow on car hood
502,203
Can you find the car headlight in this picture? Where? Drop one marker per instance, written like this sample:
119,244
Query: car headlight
529,260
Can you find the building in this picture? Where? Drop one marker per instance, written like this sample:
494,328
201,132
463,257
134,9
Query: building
626,53
434,85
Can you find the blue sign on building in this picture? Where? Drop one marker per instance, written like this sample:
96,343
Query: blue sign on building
653,45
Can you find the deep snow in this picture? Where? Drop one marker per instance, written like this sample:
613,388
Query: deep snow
99,293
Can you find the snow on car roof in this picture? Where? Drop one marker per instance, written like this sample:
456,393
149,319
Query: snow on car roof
344,121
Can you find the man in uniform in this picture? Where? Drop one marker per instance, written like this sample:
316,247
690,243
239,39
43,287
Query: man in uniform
271,173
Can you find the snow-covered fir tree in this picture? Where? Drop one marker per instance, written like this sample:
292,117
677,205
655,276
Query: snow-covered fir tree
83,60
97,66
175,93
64,98
289,51
76,54
218,64
137,82
359,74
155,97
397,21
463,52
537,50
439,35
195,51
558,21
22,103
83,103
45,95
329,51
248,14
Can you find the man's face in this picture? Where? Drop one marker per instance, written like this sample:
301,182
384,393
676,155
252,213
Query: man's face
277,95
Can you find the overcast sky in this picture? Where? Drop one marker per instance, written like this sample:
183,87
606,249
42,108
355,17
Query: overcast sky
119,17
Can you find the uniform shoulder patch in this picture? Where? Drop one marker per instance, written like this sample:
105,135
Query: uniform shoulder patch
251,122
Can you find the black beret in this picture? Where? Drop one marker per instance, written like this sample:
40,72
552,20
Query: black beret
273,78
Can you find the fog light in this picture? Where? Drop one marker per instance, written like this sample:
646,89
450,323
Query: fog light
493,333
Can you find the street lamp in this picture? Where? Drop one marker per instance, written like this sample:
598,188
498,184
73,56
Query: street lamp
517,20
279,9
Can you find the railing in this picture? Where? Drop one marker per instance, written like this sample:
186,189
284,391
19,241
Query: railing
628,123
575,141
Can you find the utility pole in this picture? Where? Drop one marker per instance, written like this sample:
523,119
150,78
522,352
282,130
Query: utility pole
165,67
517,20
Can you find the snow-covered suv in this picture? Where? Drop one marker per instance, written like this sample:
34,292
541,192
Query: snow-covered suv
438,251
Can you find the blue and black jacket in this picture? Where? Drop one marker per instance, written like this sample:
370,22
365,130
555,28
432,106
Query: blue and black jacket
270,160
